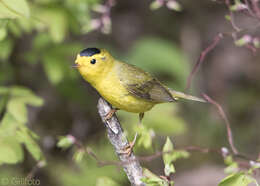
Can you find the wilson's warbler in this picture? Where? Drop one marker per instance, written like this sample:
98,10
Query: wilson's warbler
124,86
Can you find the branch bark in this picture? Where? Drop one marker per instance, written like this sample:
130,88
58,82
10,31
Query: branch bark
118,139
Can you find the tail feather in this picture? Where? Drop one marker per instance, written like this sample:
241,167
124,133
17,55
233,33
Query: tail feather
178,95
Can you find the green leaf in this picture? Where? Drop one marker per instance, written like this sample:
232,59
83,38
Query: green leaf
232,165
15,29
227,17
238,6
33,134
169,169
14,9
155,5
56,20
178,154
167,157
24,137
170,155
25,95
238,179
79,155
106,181
152,179
41,41
17,114
228,160
167,150
65,141
6,49
20,96
231,168
20,91
10,150
58,31
18,110
53,69
243,40
26,25
145,138
32,100
8,125
174,5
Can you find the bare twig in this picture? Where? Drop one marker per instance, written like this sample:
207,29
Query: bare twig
223,115
232,21
188,148
118,139
203,54
31,174
255,7
253,13
242,160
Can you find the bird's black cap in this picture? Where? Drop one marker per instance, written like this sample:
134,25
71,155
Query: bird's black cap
89,52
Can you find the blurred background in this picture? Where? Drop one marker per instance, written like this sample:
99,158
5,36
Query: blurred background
43,98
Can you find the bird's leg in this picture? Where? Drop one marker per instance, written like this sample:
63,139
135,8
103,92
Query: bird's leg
129,148
141,116
111,113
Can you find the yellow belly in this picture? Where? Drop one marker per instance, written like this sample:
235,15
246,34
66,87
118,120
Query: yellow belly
112,90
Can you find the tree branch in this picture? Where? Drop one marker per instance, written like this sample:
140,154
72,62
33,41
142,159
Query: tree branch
118,139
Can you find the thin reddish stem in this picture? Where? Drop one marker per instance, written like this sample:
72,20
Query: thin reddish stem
224,117
201,59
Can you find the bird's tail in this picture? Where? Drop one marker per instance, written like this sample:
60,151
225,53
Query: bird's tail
181,95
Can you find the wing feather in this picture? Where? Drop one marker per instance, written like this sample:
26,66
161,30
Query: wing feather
142,85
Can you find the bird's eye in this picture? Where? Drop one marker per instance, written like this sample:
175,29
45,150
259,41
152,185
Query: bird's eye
93,61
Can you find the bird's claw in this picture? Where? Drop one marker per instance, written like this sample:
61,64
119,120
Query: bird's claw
110,114
129,148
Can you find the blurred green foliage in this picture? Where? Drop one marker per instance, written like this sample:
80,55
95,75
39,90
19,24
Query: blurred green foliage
39,40
169,156
52,23
167,59
13,129
238,179
88,170
168,124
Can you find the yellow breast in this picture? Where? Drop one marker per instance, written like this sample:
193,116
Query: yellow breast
116,94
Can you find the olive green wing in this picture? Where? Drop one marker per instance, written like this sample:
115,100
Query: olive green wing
142,85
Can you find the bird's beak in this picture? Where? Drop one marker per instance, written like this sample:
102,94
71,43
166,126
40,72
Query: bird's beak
75,66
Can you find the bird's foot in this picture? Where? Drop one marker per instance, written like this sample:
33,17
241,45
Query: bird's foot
110,114
129,148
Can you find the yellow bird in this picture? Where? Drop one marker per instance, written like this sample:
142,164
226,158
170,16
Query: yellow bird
124,86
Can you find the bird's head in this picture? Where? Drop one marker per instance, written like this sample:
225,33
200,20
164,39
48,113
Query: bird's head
93,62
